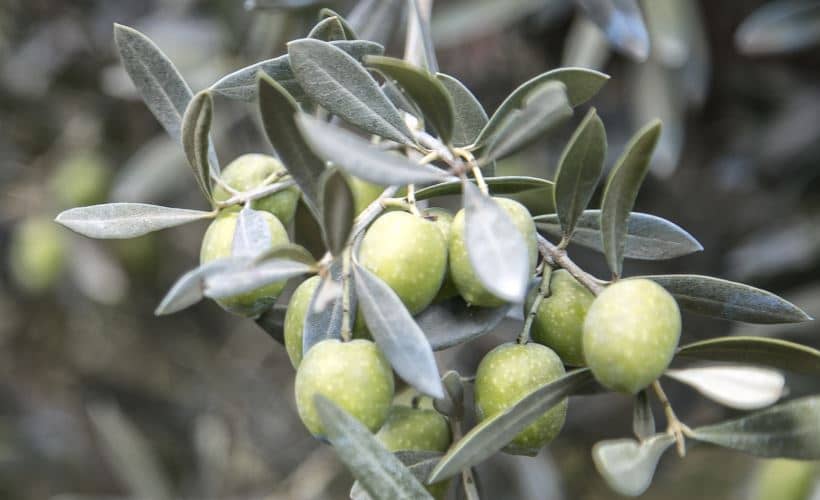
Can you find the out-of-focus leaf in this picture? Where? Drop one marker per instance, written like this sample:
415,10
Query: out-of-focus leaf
643,421
241,84
379,472
152,174
126,220
621,191
96,273
324,316
196,125
496,248
419,49
492,434
278,111
453,403
279,4
581,85
657,93
349,32
622,22
337,210
361,159
189,288
543,108
232,281
648,237
328,29
273,322
396,333
669,31
741,387
376,19
252,236
453,322
729,300
341,85
585,45
788,430
627,465
469,115
579,171
780,27
763,351
497,185
426,91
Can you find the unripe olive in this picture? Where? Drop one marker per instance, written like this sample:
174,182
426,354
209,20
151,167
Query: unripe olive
218,242
461,269
355,375
364,193
785,480
559,321
37,254
444,221
82,179
248,172
408,253
508,373
630,334
295,318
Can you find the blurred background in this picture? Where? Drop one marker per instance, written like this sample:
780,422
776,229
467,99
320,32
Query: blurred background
101,399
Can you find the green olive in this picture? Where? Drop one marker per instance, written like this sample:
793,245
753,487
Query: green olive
785,480
364,193
295,318
37,254
82,179
251,171
444,221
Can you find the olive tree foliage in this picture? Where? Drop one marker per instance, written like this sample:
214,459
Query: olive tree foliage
336,108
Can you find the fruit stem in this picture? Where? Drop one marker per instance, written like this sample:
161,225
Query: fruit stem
674,426
411,200
474,168
255,194
524,336
372,211
560,258
347,334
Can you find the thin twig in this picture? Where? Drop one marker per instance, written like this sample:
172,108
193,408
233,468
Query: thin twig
561,259
674,426
257,193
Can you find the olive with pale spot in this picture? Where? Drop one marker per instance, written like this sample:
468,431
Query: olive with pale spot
295,318
461,269
559,320
508,373
630,334
444,221
409,253
354,375
252,171
218,242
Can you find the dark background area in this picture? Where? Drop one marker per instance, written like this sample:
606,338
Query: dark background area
85,365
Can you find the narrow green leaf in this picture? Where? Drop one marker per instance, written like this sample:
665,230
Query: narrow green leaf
126,220
349,32
376,19
328,29
361,159
643,421
379,472
543,108
419,463
581,85
453,322
621,191
648,237
341,85
235,281
189,288
622,22
252,235
763,351
579,171
452,404
740,387
491,435
497,185
324,317
423,88
788,430
196,125
780,28
396,333
729,300
337,211
289,251
278,111
469,116
627,465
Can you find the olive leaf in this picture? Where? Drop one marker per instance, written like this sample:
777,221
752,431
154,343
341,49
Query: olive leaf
337,82
396,333
361,159
729,300
469,117
278,111
337,210
579,171
648,237
581,85
621,190
235,281
349,32
643,421
627,465
779,27
375,19
496,185
196,125
252,235
762,351
623,24
328,29
424,89
453,322
419,463
288,251
788,430
422,53
272,322
241,84
494,433
126,220
189,288
496,248
452,404
323,319
740,387
544,107
377,470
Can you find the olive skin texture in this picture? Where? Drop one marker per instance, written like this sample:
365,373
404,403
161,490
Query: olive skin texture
354,375
444,221
295,318
408,253
559,320
508,373
248,172
37,255
630,334
461,269
218,242
364,193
